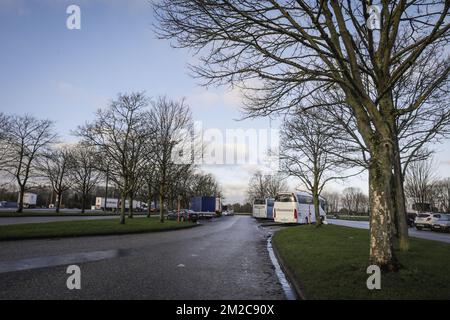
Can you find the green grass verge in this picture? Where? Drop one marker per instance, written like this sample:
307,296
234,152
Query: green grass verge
330,263
87,228
348,217
13,214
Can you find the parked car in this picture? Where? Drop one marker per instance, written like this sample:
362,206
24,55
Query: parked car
185,215
426,220
442,223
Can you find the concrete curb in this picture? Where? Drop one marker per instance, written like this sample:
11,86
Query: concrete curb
299,291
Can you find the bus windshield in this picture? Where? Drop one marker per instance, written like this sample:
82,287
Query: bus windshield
285,197
259,201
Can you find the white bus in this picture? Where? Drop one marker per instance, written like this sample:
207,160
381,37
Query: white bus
259,208
262,208
297,207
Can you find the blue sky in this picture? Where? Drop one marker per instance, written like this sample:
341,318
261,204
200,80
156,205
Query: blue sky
65,75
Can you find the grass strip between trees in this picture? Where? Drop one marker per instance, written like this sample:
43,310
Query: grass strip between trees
349,217
88,228
330,263
13,214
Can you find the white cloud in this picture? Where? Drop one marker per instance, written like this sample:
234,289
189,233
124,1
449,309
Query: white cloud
207,99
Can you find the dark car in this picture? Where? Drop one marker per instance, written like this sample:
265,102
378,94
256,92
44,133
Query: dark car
185,215
410,219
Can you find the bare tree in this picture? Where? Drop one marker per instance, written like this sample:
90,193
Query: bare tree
56,165
27,138
172,126
307,153
263,186
442,194
120,134
354,200
333,201
419,183
84,174
201,184
4,129
299,48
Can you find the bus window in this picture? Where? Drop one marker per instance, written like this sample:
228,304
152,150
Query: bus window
285,198
305,199
259,201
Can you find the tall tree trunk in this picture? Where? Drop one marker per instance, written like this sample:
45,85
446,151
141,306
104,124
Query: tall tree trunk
58,202
130,206
380,190
83,202
21,196
161,203
316,207
149,200
400,212
122,207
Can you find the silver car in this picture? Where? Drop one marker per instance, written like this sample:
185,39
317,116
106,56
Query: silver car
426,220
442,223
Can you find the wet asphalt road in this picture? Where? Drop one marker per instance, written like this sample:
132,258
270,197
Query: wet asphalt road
222,259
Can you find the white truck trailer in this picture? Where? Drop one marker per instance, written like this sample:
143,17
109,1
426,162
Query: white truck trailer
29,200
113,204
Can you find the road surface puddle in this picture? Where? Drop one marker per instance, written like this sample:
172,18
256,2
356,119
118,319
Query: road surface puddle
53,261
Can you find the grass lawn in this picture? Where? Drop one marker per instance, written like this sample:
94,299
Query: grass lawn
352,218
87,228
52,213
330,263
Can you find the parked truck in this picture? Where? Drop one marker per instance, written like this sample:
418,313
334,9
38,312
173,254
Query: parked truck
206,204
29,200
112,204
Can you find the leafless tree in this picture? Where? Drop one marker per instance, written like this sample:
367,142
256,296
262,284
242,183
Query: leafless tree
307,153
26,140
84,175
284,52
172,127
120,133
262,186
419,183
333,201
441,194
56,165
354,200
4,129
201,184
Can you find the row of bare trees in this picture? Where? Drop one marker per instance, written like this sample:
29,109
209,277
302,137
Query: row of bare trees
351,201
262,186
425,191
386,88
132,144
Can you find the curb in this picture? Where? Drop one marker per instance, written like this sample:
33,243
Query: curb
299,291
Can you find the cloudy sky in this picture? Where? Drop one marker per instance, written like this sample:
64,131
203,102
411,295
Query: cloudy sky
66,75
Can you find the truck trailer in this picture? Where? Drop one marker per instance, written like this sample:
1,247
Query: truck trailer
29,200
113,204
206,204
